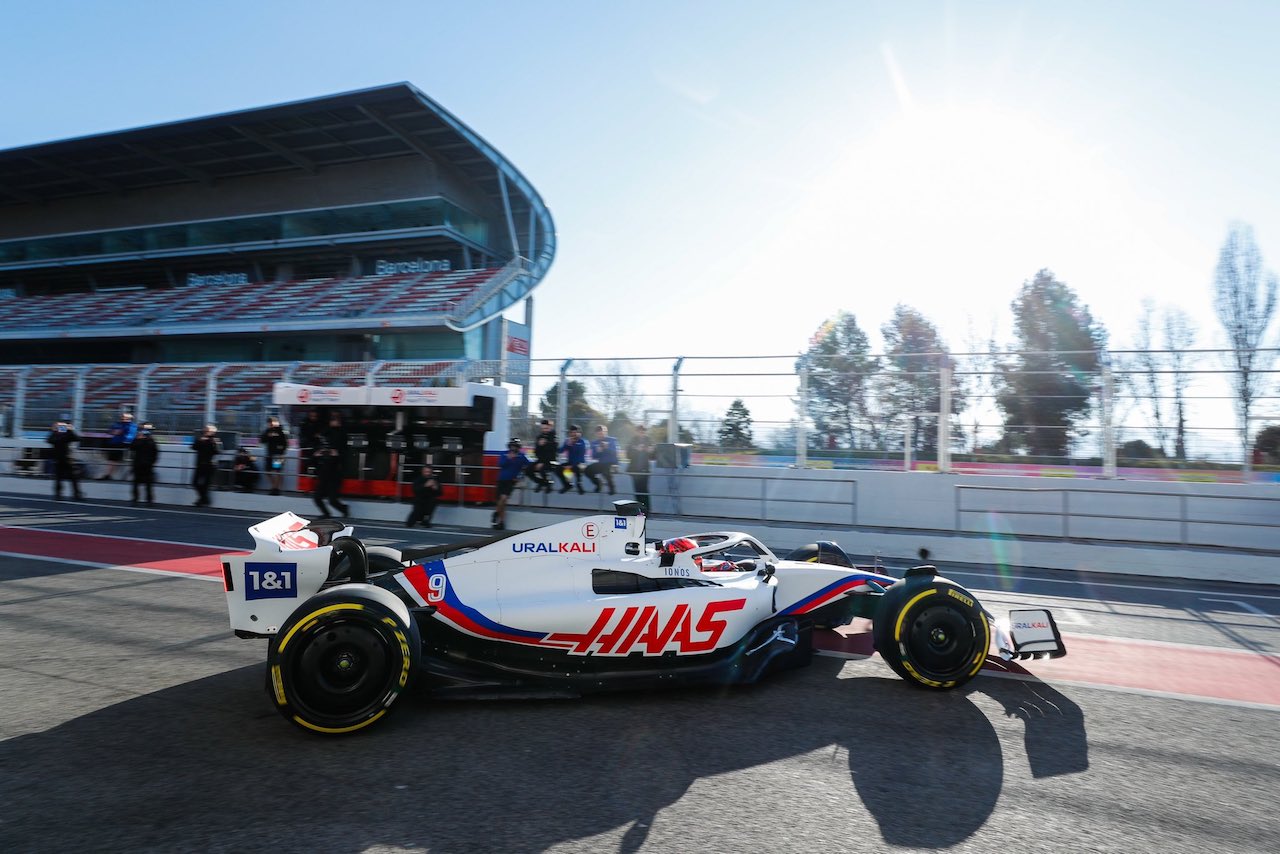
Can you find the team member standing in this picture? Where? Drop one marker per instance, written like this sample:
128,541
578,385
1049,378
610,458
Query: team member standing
604,452
145,454
120,437
574,450
328,465
639,458
512,465
62,437
544,458
426,492
275,444
207,447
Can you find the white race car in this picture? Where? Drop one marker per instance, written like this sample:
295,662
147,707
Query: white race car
579,606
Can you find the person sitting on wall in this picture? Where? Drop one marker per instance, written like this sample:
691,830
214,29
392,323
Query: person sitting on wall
604,452
544,458
246,470
574,450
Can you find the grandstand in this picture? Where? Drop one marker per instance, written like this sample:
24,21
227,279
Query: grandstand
364,226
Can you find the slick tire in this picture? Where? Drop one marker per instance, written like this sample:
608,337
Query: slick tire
342,659
931,632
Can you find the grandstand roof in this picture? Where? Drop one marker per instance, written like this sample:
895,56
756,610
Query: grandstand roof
385,121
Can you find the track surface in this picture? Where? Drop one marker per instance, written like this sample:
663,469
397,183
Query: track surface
130,719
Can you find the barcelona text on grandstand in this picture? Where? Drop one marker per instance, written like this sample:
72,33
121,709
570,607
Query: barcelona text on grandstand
420,265
218,279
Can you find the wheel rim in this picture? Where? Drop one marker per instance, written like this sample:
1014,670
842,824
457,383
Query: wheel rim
343,670
940,641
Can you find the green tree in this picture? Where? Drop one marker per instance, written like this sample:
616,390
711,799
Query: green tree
841,371
1244,297
912,382
735,432
1046,380
579,411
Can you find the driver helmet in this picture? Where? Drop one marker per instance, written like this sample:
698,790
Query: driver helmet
675,545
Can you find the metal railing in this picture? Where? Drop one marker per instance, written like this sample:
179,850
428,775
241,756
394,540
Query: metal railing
1120,515
1139,420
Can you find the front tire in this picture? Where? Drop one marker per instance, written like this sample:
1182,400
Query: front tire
342,659
931,632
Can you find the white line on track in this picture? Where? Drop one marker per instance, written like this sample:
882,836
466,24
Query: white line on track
118,537
88,564
1244,606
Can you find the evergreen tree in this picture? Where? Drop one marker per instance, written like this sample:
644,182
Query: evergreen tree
735,432
1047,379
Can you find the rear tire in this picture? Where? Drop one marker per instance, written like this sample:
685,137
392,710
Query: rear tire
931,632
342,659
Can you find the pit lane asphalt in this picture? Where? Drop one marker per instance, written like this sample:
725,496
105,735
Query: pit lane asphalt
131,719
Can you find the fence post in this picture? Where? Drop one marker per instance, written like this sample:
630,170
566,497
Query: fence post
944,416
211,395
144,382
1108,428
673,423
20,401
562,401
802,437
77,406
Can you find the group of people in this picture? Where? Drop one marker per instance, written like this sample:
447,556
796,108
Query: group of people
124,435
324,447
137,442
551,457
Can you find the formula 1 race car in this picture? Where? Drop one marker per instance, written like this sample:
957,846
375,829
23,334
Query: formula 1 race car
576,607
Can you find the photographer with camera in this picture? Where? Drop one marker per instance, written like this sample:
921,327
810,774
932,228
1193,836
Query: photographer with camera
275,444
62,437
207,447
145,454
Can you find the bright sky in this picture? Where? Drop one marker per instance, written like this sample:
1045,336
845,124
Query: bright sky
727,175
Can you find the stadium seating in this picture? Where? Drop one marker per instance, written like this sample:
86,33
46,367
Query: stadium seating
363,296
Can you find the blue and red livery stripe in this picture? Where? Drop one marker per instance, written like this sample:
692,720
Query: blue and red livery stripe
828,594
462,616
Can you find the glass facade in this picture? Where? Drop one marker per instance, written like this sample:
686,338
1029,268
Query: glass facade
296,226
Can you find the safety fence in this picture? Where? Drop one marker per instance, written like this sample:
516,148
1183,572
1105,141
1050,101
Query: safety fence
1157,414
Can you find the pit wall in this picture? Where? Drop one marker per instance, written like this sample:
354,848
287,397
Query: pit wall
1229,532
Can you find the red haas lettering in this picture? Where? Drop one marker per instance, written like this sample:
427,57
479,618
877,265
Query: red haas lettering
643,630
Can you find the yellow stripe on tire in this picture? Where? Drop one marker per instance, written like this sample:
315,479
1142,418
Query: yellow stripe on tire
310,618
902,615
339,730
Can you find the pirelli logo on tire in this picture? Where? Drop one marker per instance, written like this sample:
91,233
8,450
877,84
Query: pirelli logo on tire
958,595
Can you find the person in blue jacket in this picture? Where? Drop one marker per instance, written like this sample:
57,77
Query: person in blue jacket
510,468
574,451
604,453
119,439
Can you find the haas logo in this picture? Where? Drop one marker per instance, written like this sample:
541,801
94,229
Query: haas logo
304,394
397,396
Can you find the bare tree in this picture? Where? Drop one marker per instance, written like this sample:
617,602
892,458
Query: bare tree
1149,380
1179,338
616,393
1244,297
